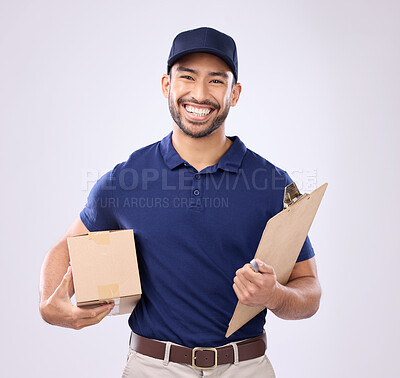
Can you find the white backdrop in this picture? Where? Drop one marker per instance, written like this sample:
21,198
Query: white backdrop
80,90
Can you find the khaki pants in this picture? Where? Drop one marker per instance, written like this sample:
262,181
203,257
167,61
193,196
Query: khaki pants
141,366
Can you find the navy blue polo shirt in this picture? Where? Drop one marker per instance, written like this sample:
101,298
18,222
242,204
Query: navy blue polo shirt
193,230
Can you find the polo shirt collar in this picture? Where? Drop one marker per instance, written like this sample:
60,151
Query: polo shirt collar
230,161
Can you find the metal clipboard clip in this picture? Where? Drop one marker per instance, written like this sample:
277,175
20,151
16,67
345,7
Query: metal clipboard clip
292,195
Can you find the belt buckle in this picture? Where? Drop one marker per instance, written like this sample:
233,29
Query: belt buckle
194,350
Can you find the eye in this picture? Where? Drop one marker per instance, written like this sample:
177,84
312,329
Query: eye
186,77
216,81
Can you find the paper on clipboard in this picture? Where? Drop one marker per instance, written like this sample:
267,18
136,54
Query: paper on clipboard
280,244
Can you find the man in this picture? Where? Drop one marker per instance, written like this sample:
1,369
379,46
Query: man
198,202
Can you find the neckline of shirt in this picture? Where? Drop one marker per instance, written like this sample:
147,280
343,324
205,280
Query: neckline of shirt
230,161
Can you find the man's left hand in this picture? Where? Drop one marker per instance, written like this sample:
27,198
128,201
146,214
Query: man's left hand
257,289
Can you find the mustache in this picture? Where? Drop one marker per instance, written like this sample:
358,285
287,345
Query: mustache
194,101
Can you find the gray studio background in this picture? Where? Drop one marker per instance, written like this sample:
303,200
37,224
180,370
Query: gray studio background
80,90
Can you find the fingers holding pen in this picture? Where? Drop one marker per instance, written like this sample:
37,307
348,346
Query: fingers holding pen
255,288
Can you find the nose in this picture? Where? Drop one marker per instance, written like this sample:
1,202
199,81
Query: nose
200,91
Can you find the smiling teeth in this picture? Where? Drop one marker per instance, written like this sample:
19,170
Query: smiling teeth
197,111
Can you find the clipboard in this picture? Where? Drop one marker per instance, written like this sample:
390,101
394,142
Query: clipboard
281,242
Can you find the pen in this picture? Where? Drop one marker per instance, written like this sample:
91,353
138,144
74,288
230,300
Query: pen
254,264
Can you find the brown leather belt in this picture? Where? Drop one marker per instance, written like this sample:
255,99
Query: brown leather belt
199,357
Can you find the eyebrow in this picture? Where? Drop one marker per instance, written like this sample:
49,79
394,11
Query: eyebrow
187,69
222,74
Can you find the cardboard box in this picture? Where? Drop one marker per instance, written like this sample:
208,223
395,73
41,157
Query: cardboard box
105,270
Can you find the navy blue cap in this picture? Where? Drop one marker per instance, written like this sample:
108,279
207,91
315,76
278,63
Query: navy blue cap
205,40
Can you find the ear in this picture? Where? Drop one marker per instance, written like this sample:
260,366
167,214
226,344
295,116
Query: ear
237,89
165,84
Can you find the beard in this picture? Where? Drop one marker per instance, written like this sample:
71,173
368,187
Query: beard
215,124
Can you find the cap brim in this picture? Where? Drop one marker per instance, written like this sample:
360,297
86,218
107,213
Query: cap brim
208,50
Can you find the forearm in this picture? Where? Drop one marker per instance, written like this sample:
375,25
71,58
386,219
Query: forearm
56,288
53,269
299,299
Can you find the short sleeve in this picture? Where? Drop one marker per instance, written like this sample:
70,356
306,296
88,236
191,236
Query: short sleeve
307,251
99,212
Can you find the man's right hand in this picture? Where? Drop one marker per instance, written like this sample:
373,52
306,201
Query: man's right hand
59,310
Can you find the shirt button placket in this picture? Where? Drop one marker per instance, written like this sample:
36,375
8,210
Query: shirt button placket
196,191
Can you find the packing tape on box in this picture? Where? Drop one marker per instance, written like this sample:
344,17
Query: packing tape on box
108,291
115,310
101,237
